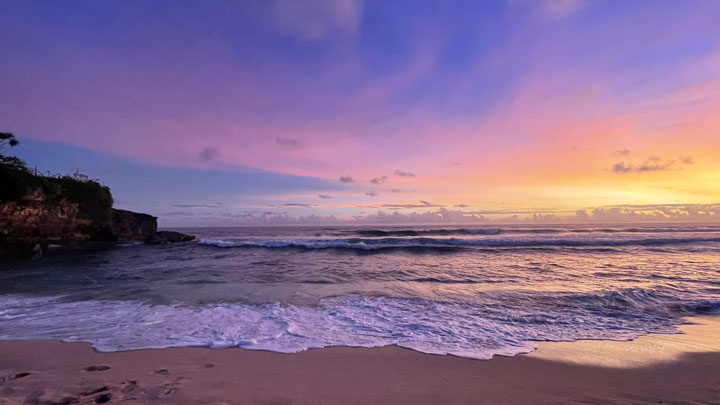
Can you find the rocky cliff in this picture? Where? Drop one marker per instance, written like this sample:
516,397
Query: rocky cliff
132,226
30,224
40,209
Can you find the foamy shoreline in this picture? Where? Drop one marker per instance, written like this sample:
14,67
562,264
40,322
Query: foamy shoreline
657,368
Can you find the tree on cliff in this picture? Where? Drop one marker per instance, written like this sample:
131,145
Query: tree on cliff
17,182
8,139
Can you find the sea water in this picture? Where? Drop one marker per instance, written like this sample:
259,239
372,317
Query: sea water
467,291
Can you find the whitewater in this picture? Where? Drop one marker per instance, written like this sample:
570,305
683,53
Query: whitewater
468,291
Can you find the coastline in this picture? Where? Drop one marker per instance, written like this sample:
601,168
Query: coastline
653,368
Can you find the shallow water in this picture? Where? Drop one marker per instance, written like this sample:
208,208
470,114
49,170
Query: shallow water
472,292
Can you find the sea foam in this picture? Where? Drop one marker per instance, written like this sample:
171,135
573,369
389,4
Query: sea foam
454,328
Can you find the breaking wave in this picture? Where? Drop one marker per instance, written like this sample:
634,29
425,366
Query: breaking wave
462,329
450,243
292,288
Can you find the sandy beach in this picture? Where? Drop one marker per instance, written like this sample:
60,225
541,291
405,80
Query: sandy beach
682,368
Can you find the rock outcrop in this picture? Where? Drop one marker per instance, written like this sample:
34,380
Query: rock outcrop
168,237
30,225
38,210
34,222
132,226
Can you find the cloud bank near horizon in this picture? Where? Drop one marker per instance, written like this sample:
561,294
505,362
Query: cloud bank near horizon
672,213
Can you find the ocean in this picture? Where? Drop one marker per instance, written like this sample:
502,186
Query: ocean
467,291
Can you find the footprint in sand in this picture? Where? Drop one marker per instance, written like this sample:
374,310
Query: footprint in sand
42,396
169,387
167,392
95,391
97,368
163,390
101,399
4,378
128,386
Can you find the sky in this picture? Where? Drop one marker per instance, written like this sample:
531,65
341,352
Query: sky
335,111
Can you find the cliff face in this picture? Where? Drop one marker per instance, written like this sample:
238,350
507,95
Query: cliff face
132,226
34,222
31,224
37,211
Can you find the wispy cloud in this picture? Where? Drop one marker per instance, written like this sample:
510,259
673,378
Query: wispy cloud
197,205
563,8
289,143
346,179
208,154
686,160
423,204
177,214
318,19
622,167
371,194
325,196
298,205
553,8
623,152
652,164
401,173
378,180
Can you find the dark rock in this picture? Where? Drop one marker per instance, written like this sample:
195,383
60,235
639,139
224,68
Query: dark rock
104,234
72,218
28,226
168,237
131,226
101,399
95,391
97,368
129,386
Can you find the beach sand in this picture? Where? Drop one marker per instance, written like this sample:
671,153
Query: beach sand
652,369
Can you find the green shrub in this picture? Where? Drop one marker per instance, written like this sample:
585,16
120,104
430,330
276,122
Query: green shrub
93,199
16,182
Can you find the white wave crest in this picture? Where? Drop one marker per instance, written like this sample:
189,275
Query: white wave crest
427,326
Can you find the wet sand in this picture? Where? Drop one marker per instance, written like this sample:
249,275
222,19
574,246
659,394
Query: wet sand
702,335
668,368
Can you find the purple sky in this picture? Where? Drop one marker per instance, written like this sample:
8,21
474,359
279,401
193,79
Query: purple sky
236,112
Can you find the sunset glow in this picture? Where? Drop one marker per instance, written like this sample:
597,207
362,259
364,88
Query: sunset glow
480,111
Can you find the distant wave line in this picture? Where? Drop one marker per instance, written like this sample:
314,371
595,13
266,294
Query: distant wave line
499,231
435,243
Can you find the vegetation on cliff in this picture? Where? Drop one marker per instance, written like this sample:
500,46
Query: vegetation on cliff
38,210
18,181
